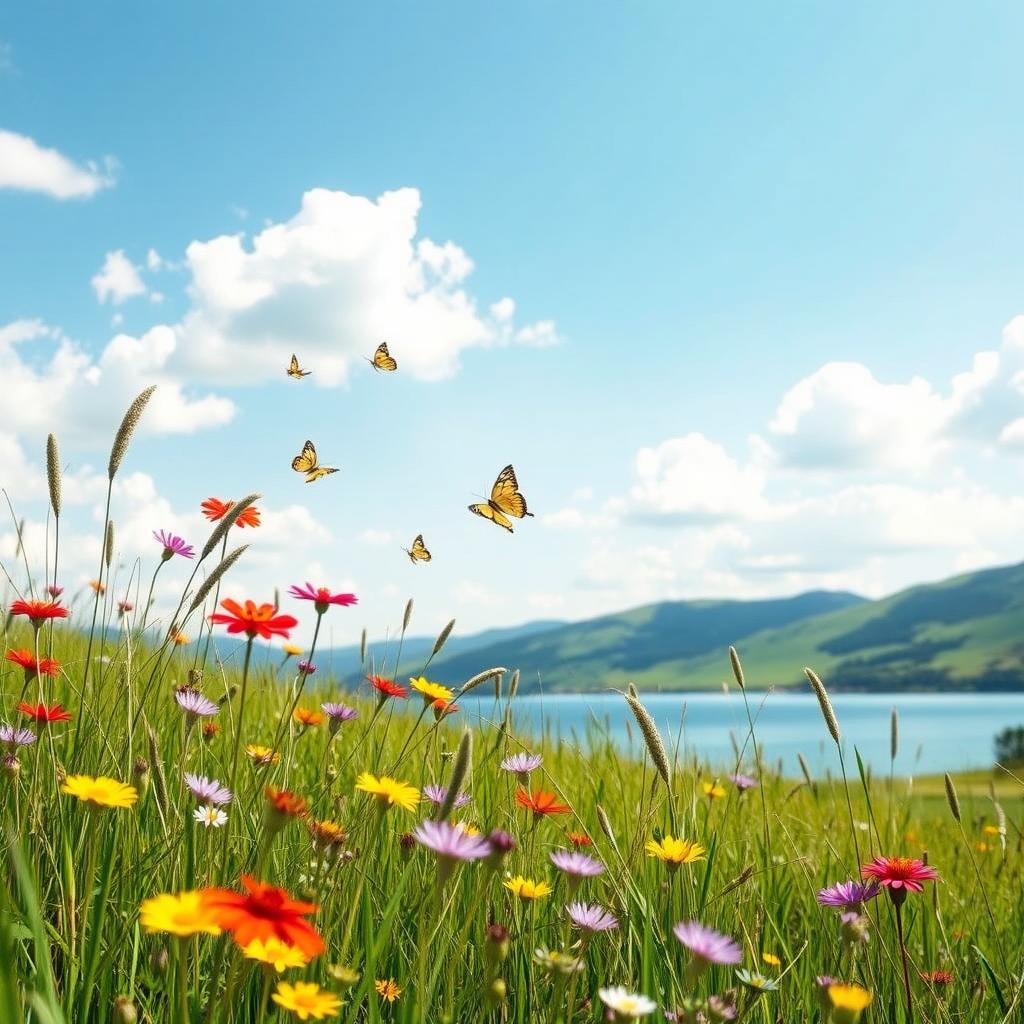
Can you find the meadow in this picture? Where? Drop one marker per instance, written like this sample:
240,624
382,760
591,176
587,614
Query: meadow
189,840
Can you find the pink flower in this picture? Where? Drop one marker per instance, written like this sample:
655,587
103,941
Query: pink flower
900,873
322,597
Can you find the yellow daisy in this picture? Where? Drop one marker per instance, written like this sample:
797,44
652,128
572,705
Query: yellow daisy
292,650
388,989
771,959
275,953
389,792
526,889
848,1001
184,914
260,754
307,1000
713,791
100,791
431,691
674,851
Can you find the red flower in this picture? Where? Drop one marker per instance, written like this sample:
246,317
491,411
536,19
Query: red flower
579,839
27,660
540,802
443,708
38,611
41,713
322,596
938,978
214,509
254,620
54,591
388,688
897,873
264,912
286,803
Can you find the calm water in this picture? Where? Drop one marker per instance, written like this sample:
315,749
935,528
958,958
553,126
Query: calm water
938,732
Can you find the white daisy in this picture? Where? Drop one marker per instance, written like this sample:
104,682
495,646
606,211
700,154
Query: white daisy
210,816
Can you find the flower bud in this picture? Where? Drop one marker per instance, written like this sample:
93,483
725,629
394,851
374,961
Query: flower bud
345,976
159,960
140,770
496,992
496,949
10,766
502,844
407,844
125,1011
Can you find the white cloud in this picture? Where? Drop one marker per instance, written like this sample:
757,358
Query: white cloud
375,538
118,279
29,167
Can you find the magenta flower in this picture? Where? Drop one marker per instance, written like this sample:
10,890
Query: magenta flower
451,843
501,843
173,545
15,737
590,917
438,794
707,945
522,764
897,873
307,668
321,597
54,591
207,791
194,703
742,782
848,895
576,865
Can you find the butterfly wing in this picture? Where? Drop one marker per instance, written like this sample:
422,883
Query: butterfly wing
293,367
505,496
382,359
306,460
319,471
419,552
487,511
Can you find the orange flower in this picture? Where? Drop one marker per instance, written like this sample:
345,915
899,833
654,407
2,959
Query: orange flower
43,714
444,708
264,912
286,803
308,716
579,839
210,729
214,509
27,660
540,802
98,587
253,619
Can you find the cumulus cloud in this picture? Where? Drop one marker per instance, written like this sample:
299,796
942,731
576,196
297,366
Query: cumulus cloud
118,279
29,167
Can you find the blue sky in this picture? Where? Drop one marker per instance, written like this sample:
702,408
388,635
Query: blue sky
748,233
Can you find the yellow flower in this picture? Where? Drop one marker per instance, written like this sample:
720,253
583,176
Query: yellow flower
675,851
389,792
990,830
388,989
981,847
467,828
97,587
307,1000
276,953
712,790
292,650
260,754
183,914
431,691
101,791
526,889
308,716
849,1000
771,959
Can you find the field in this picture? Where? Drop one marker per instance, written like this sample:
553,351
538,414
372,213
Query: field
377,862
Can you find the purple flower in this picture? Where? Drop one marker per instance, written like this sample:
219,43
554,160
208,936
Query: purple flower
15,737
707,945
590,917
307,668
824,980
850,895
173,545
207,791
337,714
195,704
451,843
742,782
522,764
576,865
501,843
438,794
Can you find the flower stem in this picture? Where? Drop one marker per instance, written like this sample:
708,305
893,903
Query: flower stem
906,964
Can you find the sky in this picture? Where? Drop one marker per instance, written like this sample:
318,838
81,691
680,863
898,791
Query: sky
737,292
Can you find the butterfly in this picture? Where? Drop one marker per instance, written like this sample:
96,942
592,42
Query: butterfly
505,501
307,462
294,371
418,552
382,359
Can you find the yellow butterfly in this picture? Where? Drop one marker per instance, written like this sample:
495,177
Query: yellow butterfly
382,359
418,552
505,501
307,462
294,371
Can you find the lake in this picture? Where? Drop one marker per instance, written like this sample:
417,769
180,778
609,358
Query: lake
938,732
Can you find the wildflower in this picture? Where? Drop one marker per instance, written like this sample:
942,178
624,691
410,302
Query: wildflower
253,620
182,914
444,708
214,509
337,714
626,1005
54,591
674,852
43,714
526,889
123,607
430,691
541,802
467,827
328,835
283,804
388,688
388,989
307,717
344,975
260,754
291,650
194,704
576,865
451,843
848,895
39,611
10,766
173,545
322,598
706,945
438,794
33,666
496,950
100,791
14,737
211,817
991,830
847,1002
743,782
771,959
207,791
307,1000
982,847
264,911
712,790
554,962
854,928
275,953
900,875
180,638
389,792
502,844
938,979
756,982
306,668
579,839
125,1011
97,587
591,917
210,729
521,765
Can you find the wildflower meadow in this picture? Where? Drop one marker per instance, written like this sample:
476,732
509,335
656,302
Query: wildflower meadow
189,838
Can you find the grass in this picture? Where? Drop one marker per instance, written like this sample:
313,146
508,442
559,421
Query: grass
458,943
